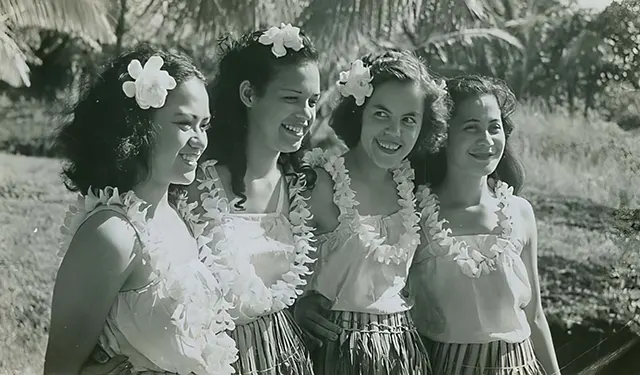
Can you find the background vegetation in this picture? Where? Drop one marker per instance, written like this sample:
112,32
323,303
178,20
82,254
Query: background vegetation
576,72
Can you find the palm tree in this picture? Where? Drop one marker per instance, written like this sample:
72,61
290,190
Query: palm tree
337,26
85,19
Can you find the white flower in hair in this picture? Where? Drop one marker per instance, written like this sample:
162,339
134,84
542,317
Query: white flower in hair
281,37
150,83
356,82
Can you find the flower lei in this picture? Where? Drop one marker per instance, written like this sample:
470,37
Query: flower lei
283,292
200,315
150,84
356,82
344,197
280,38
471,261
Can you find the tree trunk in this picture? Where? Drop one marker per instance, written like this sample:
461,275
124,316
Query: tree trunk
121,27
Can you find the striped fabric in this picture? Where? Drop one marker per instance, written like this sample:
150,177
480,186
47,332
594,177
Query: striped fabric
373,345
271,345
494,358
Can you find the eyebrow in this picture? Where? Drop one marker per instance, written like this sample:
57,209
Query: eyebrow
297,91
382,107
189,115
292,90
473,119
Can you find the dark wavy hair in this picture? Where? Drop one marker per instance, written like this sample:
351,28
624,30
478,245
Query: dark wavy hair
510,169
247,59
402,66
107,139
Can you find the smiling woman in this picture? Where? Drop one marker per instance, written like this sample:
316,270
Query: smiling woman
132,279
475,277
263,101
367,226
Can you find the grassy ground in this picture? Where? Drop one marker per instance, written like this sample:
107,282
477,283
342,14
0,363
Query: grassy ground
579,172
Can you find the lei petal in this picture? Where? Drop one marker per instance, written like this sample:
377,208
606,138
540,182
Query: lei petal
472,262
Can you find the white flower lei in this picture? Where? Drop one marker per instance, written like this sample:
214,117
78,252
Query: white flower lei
286,290
471,262
201,312
344,197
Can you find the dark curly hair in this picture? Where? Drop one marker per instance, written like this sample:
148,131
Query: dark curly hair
247,59
107,138
403,66
510,169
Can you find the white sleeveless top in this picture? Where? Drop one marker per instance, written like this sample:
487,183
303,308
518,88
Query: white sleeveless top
466,297
363,264
266,254
177,323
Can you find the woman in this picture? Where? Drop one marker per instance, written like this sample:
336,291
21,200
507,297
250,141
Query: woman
363,209
263,100
132,278
475,278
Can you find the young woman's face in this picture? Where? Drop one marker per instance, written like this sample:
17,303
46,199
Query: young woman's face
476,136
181,137
283,115
391,122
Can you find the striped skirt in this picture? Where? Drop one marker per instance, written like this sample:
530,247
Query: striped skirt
494,358
271,345
373,345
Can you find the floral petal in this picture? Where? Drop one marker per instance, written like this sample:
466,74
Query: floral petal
278,49
155,62
159,102
129,89
169,82
134,69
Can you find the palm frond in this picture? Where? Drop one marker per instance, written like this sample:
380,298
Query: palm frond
339,22
85,18
216,16
469,35
13,65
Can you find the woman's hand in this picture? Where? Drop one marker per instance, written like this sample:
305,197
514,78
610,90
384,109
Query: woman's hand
100,363
309,312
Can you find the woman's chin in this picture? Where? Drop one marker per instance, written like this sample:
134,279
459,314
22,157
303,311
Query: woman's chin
185,178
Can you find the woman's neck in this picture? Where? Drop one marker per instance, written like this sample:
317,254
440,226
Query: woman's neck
262,161
156,195
360,164
463,190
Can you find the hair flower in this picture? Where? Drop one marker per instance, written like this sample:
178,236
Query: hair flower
281,37
150,83
356,82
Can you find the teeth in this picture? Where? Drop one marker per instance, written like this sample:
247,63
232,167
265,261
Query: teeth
389,146
297,129
191,159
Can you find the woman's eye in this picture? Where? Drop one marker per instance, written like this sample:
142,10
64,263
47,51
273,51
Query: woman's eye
410,121
380,114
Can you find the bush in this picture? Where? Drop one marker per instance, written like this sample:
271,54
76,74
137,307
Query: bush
27,127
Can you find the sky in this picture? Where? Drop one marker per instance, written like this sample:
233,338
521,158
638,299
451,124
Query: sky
594,4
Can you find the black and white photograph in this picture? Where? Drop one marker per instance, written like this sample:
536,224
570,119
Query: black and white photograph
320,187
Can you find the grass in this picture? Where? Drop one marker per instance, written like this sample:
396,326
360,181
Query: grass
579,172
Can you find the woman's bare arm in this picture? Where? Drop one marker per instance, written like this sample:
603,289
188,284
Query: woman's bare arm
540,332
94,269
